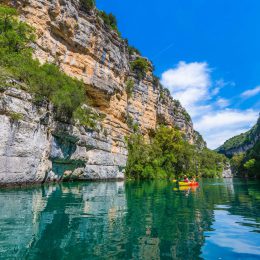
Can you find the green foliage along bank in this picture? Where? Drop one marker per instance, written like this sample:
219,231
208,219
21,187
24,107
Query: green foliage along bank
46,82
247,164
168,155
243,140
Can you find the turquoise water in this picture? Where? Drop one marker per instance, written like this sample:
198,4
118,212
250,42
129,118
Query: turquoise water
145,220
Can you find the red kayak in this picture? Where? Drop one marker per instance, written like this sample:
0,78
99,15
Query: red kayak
183,183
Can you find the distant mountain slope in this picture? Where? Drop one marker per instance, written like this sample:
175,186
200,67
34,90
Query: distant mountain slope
241,143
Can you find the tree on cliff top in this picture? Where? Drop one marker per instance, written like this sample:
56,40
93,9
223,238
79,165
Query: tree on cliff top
87,5
46,82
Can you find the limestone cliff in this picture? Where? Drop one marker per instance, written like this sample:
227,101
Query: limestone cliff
241,143
38,148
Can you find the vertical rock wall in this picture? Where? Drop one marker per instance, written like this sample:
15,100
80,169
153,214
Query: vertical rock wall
38,148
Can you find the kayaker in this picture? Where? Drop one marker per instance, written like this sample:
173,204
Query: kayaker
186,179
193,179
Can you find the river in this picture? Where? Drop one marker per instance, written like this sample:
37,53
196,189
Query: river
131,220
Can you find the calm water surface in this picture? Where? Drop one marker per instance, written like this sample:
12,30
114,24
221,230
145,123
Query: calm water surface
145,220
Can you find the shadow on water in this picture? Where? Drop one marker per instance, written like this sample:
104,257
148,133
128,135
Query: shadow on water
132,220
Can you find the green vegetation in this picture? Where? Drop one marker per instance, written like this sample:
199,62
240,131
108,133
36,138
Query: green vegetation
240,140
250,164
199,141
46,82
14,35
86,117
177,103
109,20
237,162
140,66
247,164
87,5
168,155
15,117
186,116
132,50
129,88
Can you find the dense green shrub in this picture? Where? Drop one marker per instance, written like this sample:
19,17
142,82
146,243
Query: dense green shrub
129,121
177,103
186,116
132,50
14,35
140,66
87,5
46,82
15,117
241,140
247,164
210,163
237,162
129,88
110,21
169,155
86,117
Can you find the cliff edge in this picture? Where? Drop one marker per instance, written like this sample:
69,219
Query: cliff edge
37,147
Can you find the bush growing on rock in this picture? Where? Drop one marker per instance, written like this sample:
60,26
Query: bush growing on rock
129,88
87,5
140,66
86,117
187,116
46,82
14,35
15,117
132,50
110,21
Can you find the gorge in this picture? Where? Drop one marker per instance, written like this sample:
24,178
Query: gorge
98,160
39,148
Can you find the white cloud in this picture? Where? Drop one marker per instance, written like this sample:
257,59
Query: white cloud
251,92
187,75
221,83
192,84
220,125
189,82
223,118
222,102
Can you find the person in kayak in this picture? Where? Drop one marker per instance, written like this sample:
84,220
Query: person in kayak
186,179
193,179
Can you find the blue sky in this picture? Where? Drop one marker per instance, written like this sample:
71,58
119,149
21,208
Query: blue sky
206,52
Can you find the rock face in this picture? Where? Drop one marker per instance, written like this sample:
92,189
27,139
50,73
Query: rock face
241,143
227,172
38,148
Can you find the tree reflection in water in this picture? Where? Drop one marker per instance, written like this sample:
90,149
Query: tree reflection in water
132,220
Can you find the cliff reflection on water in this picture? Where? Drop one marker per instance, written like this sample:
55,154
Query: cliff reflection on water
145,220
